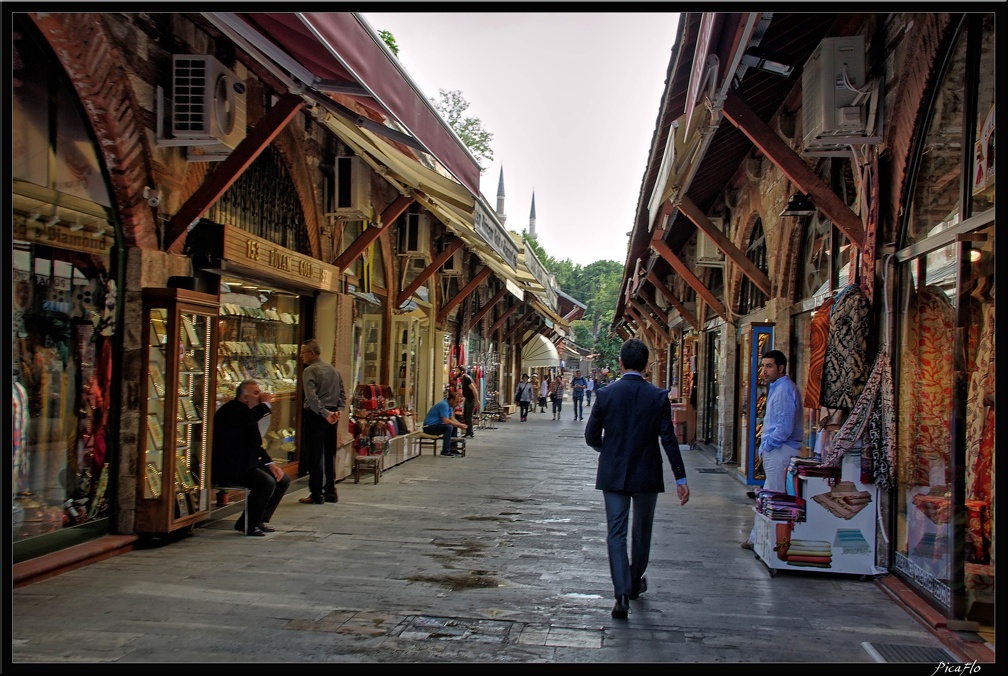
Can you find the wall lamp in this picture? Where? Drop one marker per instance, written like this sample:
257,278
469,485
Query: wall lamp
799,205
756,58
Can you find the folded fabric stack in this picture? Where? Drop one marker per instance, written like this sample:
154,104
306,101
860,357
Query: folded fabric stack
850,541
780,506
844,500
806,553
807,467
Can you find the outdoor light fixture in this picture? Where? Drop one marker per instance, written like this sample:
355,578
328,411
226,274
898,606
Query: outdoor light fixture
53,220
757,59
799,205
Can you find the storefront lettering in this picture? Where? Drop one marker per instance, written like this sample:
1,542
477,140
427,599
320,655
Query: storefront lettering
923,578
63,237
252,249
306,269
279,261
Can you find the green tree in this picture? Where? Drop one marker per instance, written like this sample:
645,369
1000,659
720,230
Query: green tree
452,106
390,42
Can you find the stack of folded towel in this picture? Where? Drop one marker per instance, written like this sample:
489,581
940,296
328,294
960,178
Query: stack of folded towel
806,553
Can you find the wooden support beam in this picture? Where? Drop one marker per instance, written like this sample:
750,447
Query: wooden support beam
659,245
488,306
387,218
520,323
503,318
228,171
794,167
425,274
671,297
731,252
477,279
654,309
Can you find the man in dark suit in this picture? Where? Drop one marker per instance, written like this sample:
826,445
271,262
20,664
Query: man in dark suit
625,424
239,458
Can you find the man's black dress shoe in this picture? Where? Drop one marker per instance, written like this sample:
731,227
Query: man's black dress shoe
334,498
622,607
637,589
266,528
257,532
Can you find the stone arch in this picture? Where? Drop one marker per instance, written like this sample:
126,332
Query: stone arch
743,235
98,76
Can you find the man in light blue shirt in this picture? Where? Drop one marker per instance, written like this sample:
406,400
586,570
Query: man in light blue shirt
782,427
441,420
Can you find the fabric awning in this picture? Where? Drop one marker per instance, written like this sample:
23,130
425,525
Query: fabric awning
339,52
540,352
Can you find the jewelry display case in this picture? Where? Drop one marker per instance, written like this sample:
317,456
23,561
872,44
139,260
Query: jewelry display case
179,334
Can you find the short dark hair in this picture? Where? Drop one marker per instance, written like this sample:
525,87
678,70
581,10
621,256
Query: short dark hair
778,358
634,354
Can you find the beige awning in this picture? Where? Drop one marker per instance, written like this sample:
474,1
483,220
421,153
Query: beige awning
540,352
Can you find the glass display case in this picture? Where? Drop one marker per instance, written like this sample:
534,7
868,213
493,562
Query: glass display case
259,338
179,333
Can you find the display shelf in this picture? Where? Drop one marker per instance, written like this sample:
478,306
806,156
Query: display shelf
172,488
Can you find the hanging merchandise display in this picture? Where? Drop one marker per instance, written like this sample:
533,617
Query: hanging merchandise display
845,369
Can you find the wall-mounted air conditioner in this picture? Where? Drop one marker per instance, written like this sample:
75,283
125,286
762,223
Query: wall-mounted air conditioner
414,236
835,95
350,198
453,266
707,253
208,101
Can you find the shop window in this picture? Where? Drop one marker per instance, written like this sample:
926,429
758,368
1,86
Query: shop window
944,513
264,201
751,298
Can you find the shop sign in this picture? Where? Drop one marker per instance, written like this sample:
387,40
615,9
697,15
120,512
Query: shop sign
266,258
494,234
60,235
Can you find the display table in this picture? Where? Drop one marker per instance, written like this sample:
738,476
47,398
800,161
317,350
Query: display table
838,534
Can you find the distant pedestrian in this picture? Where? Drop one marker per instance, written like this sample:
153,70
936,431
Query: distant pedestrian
590,389
556,394
543,393
523,395
578,387
468,389
624,426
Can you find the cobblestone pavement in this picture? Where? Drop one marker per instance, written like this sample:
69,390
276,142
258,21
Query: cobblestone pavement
495,557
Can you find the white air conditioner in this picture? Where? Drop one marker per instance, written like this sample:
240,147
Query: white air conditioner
453,266
208,101
833,110
414,236
707,253
350,198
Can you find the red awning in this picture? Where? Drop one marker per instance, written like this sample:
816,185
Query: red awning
338,49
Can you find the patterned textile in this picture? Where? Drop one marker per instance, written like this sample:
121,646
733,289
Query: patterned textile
926,388
818,337
21,465
874,419
980,435
845,367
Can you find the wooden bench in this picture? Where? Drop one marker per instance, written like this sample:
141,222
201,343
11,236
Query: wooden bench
434,440
224,489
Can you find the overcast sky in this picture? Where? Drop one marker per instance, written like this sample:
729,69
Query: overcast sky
571,99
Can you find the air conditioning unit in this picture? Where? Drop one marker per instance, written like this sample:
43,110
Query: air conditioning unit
707,253
208,101
453,266
350,198
414,236
833,110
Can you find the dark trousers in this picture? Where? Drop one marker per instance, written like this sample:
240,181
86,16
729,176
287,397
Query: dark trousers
557,405
467,413
318,453
625,570
265,494
542,404
524,407
446,431
588,395
578,407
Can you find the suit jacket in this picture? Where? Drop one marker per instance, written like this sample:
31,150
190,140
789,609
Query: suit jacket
237,444
627,419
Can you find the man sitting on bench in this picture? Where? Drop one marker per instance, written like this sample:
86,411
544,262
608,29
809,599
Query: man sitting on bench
441,420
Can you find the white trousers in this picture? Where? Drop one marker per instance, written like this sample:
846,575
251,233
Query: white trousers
775,466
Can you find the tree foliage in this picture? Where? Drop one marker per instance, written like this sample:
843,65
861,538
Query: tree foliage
389,40
452,106
596,285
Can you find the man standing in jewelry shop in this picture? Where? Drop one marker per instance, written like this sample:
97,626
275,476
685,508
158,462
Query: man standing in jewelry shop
324,400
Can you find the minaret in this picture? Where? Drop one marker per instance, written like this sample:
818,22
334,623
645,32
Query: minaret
532,232
500,197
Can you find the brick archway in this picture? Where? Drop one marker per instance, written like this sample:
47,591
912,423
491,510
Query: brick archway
98,75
